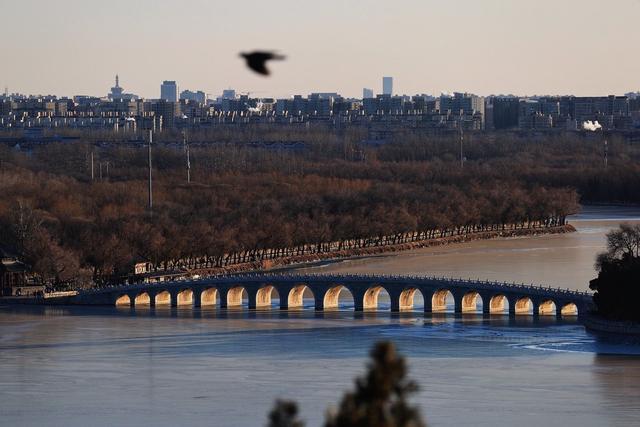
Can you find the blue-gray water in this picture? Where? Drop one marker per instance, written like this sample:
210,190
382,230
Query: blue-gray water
114,367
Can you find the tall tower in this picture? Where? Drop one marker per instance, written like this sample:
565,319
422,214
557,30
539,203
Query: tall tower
169,91
387,86
116,91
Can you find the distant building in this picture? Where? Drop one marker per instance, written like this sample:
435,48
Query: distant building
229,94
463,104
367,93
5,107
387,85
169,91
199,96
116,91
321,104
505,112
603,108
13,275
166,111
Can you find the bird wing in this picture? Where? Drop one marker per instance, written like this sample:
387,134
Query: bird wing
258,65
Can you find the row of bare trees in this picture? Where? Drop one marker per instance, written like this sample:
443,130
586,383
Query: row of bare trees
250,202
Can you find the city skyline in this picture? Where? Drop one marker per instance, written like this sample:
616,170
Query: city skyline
188,94
489,47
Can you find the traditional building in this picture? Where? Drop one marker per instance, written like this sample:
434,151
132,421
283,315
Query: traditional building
13,274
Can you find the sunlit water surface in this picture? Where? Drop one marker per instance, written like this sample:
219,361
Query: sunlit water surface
191,367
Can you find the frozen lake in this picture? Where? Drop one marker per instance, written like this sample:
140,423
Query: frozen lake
205,367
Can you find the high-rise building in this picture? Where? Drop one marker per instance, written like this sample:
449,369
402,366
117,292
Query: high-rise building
387,85
229,94
169,91
367,93
166,111
199,96
506,112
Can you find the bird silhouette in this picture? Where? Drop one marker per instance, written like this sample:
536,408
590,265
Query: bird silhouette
257,60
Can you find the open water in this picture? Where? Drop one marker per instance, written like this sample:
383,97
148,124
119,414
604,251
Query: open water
205,367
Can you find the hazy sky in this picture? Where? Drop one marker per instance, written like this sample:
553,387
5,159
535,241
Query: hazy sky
67,47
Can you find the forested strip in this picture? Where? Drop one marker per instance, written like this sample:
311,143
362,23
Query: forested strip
248,203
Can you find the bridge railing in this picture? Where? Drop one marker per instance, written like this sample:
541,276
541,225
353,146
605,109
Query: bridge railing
478,284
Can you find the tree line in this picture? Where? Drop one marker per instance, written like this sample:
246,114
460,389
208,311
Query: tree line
257,201
617,285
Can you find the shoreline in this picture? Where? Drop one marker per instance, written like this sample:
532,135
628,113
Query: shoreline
600,325
292,263
318,260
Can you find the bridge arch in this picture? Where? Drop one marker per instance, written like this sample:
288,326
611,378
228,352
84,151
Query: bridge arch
296,297
408,298
209,297
333,295
370,299
143,298
264,296
569,309
439,300
163,298
499,304
547,308
123,301
185,297
236,296
523,306
470,302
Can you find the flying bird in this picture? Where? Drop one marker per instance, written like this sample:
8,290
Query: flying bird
257,60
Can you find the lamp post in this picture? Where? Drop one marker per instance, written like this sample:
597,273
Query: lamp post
461,140
187,154
150,175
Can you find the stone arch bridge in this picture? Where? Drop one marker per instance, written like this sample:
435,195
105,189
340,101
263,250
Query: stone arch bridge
257,290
